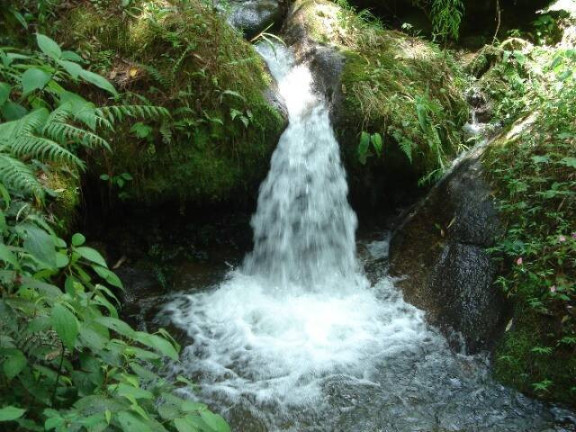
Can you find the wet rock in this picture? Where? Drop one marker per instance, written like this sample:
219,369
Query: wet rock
253,16
480,105
440,250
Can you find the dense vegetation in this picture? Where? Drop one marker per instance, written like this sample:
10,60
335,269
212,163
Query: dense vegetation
68,361
185,115
533,167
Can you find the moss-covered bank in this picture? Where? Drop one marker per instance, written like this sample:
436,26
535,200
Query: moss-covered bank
183,56
403,89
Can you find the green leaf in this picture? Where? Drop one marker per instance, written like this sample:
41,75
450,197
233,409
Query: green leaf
13,111
141,130
127,390
216,422
377,143
34,79
74,69
11,413
14,363
93,337
98,81
7,256
20,18
363,147
109,276
48,46
540,159
62,260
117,325
569,161
53,422
78,240
91,255
5,90
71,56
132,423
158,343
41,245
191,423
65,324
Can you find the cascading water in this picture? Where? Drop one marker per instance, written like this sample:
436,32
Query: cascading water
303,227
297,339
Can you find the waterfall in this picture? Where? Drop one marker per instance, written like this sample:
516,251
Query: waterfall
304,228
299,310
296,339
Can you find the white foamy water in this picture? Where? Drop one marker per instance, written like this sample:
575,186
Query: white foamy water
303,227
297,339
299,310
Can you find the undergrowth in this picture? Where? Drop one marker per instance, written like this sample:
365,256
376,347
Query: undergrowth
533,169
67,360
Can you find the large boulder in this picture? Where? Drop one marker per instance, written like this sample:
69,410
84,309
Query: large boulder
439,253
253,16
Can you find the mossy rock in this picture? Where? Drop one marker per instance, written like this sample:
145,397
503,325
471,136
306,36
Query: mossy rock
400,87
183,56
64,197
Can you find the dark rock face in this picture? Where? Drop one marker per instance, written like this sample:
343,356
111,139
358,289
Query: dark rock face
254,16
440,250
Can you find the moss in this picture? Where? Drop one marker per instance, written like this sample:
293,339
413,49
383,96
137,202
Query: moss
63,205
401,87
184,57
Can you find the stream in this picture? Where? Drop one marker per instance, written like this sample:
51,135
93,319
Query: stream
300,337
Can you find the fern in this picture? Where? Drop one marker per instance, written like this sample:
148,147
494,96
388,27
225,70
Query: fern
43,148
63,132
16,175
157,75
116,113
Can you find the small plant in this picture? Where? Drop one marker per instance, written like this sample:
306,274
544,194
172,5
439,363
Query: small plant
446,17
367,143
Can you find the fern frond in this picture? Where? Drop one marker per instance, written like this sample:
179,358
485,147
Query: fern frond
62,132
60,115
44,148
115,113
31,122
406,147
18,176
157,75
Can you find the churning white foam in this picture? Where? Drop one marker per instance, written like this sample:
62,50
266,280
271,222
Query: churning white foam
282,346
